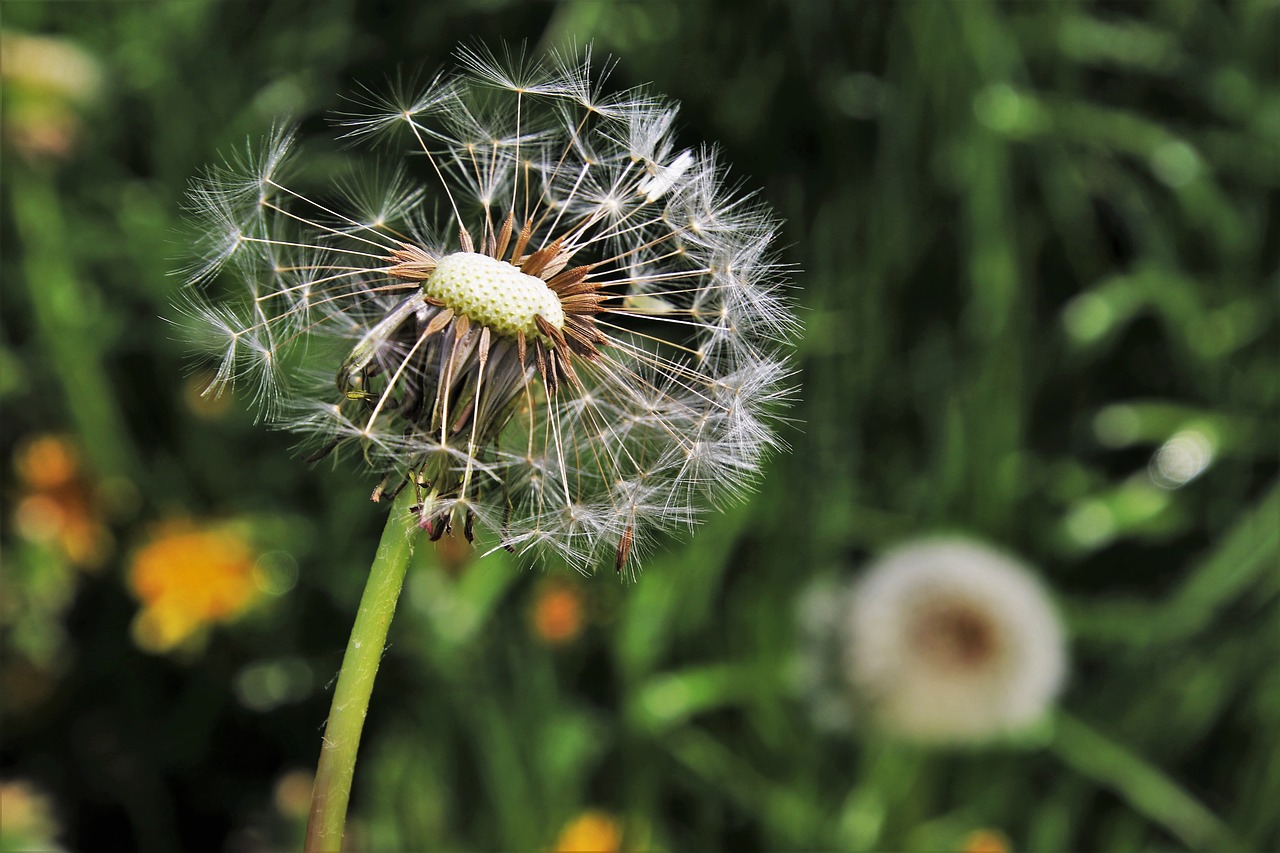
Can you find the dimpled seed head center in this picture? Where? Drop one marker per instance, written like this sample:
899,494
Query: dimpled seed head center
493,293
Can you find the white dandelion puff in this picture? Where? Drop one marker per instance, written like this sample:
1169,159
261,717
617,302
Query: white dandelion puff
544,316
942,640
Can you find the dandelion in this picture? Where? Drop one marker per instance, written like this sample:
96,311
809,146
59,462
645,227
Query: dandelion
942,640
948,640
543,322
546,318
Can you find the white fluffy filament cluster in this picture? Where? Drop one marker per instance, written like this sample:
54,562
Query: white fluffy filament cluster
554,325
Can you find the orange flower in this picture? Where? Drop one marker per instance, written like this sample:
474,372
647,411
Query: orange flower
188,577
58,506
48,462
985,841
557,612
592,831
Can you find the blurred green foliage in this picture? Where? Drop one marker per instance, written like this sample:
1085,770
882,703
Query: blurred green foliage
1037,246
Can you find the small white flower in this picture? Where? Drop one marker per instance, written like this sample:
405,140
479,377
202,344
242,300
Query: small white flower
545,318
942,640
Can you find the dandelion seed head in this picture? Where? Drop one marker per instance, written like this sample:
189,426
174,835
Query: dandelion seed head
558,326
944,640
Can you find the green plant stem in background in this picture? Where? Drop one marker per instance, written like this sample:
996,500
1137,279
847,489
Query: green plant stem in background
69,323
355,682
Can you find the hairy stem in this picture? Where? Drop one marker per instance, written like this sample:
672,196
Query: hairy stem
355,682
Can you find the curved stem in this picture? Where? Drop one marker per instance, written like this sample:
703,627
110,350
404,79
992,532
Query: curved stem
355,682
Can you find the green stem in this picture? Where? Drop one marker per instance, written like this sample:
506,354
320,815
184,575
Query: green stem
355,682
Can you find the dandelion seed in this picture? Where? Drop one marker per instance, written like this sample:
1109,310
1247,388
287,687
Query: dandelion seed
551,322
942,640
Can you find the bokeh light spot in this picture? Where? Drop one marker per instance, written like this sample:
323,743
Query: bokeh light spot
1092,523
1182,458
1088,317
1117,426
266,685
1175,163
276,572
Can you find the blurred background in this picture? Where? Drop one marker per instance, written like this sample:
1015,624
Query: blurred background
1037,249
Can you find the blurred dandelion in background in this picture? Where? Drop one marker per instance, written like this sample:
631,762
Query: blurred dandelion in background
941,640
545,317
188,577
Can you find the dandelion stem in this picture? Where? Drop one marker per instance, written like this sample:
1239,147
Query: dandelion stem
355,681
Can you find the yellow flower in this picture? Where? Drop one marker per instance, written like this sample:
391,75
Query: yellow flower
189,577
590,832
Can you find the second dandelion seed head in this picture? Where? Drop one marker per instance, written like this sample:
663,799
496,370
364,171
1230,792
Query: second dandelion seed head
941,640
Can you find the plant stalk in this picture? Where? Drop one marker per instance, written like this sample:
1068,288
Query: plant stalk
355,681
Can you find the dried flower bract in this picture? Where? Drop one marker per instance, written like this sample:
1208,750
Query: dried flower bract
546,318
